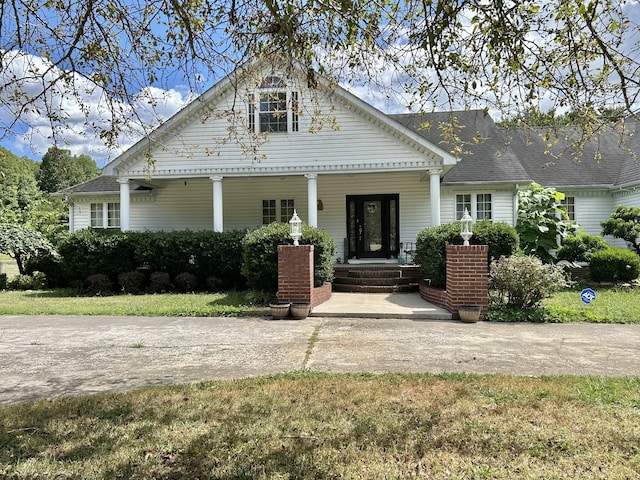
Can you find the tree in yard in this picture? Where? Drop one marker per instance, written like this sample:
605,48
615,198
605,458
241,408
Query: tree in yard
59,169
57,58
542,220
624,223
22,243
22,202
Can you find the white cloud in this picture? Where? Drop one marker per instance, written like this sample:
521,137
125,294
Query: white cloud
82,114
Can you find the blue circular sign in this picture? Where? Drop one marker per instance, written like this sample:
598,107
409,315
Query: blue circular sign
588,295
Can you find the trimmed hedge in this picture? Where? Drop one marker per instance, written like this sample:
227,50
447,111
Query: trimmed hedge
431,246
204,254
614,265
261,255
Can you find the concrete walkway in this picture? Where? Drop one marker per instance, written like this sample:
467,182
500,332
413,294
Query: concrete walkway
53,356
380,305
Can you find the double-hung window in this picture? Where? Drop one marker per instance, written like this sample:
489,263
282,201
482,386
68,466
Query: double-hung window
479,205
273,107
569,204
270,212
105,215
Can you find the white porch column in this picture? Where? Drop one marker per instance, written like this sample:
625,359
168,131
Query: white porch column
217,203
434,192
312,198
125,204
72,216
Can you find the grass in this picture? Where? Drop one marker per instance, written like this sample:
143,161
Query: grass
611,306
8,265
65,302
307,425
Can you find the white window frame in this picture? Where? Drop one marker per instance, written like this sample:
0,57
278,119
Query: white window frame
569,203
472,202
107,217
260,97
281,208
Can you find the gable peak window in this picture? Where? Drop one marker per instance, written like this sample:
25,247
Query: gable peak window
273,107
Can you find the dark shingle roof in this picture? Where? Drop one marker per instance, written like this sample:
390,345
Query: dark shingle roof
486,157
101,184
630,171
552,159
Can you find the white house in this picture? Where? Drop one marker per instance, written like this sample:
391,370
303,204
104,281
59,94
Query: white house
371,180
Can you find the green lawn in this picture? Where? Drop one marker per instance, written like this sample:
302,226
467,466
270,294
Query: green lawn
306,425
8,265
611,306
66,302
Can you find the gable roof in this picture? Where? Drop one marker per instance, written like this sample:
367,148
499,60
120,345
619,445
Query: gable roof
208,99
485,158
104,184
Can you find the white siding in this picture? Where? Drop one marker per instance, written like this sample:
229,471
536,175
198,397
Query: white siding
203,144
176,205
501,202
82,210
591,208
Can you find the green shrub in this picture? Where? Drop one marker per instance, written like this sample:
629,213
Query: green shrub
260,265
509,313
34,281
614,265
431,245
204,254
160,282
91,252
580,247
523,281
51,265
98,283
3,281
186,282
132,282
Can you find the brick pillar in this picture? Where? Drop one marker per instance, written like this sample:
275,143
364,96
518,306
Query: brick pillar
295,273
467,277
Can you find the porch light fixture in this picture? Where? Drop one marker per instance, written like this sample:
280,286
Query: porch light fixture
296,228
466,231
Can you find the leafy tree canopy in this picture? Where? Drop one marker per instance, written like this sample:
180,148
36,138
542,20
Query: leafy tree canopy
624,223
21,201
542,221
59,169
21,243
579,55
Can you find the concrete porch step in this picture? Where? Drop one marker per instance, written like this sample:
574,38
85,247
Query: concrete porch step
371,281
342,288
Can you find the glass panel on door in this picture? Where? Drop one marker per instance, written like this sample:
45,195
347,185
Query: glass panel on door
372,228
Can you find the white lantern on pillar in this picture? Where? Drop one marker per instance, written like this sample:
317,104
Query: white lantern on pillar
295,225
466,231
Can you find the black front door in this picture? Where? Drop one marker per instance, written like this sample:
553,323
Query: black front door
372,226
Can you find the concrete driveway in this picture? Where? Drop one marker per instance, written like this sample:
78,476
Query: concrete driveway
52,356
